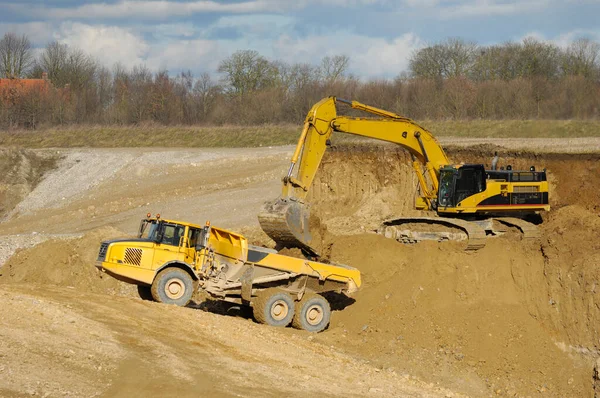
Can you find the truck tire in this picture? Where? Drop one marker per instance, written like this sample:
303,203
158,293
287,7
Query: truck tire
312,313
173,286
145,293
273,307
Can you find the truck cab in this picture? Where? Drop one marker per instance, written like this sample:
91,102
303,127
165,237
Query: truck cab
158,244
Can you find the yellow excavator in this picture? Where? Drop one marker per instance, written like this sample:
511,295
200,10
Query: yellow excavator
466,197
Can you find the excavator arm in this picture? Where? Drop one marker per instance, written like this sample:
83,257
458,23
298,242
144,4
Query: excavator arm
287,220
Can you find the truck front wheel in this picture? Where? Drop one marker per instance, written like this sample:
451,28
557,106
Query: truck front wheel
273,307
312,313
173,286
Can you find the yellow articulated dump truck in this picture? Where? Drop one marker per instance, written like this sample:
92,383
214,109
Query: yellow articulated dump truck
171,260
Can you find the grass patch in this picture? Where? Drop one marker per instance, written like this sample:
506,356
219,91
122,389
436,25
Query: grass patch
514,128
271,135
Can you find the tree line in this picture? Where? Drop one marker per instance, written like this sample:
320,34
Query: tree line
453,79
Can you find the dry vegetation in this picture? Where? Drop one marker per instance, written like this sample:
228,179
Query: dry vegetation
453,80
155,135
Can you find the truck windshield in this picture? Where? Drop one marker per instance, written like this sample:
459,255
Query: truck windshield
148,229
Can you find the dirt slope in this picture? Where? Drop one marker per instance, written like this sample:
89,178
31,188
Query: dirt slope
516,318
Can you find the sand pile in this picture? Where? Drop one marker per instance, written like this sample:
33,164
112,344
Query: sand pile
461,318
69,263
513,318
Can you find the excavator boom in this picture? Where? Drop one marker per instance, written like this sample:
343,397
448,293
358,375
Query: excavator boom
287,220
465,191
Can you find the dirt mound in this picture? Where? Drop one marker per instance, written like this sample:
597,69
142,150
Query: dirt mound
360,185
459,318
516,317
68,263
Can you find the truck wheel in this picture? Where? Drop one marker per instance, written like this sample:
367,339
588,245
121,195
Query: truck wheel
173,286
312,313
273,307
145,293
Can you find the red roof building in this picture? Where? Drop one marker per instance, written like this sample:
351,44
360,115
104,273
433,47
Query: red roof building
12,89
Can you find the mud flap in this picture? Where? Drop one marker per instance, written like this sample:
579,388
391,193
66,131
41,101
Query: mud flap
246,280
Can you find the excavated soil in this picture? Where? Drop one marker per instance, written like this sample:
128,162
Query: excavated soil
66,262
517,318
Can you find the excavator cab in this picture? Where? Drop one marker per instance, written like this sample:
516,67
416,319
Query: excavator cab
460,182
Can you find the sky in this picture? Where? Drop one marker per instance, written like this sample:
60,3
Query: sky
378,35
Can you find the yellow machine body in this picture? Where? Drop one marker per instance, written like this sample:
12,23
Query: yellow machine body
221,261
453,190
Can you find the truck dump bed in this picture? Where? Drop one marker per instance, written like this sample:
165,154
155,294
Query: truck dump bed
346,277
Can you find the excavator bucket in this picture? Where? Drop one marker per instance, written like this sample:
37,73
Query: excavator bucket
287,223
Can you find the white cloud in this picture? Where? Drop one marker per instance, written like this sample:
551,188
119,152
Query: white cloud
38,32
565,39
185,29
450,9
182,46
494,7
109,44
195,55
369,57
152,9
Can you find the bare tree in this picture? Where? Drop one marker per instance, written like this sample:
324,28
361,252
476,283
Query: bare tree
334,68
428,62
16,56
452,58
206,92
460,57
53,61
582,58
246,71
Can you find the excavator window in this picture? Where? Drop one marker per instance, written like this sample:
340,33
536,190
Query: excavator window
469,180
446,191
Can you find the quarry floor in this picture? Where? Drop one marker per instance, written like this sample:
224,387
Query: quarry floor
517,318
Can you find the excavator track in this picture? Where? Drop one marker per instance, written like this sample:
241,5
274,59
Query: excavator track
476,236
529,230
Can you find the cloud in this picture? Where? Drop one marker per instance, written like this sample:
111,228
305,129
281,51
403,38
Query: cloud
108,44
139,9
450,9
38,32
494,7
369,57
563,40
196,55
